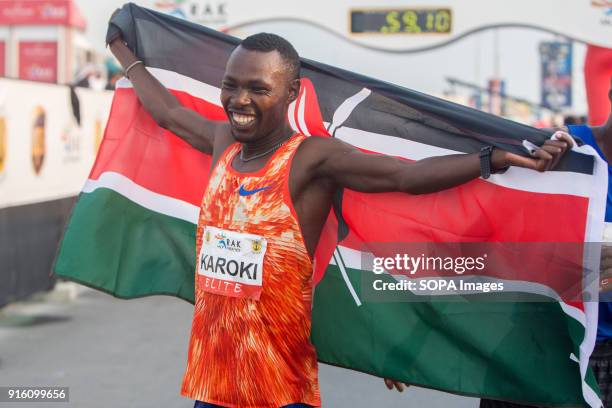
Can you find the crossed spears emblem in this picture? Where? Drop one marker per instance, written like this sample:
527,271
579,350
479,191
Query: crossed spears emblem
341,114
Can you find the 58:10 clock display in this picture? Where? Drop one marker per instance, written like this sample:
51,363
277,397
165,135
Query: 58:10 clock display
402,21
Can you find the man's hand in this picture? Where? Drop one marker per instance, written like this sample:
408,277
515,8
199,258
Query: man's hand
545,158
121,25
398,385
112,32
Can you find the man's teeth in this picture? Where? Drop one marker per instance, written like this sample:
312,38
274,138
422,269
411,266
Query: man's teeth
242,119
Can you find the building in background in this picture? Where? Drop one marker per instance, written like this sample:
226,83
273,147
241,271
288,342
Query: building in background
41,40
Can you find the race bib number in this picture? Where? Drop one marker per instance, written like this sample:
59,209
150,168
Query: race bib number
231,263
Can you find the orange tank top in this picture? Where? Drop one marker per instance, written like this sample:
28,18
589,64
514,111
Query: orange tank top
250,339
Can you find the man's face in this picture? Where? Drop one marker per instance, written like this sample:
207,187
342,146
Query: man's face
255,92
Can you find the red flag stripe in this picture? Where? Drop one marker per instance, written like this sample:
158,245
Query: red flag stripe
136,147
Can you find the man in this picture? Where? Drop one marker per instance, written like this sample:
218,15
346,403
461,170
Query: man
268,197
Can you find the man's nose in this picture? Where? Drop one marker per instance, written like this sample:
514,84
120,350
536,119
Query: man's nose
242,97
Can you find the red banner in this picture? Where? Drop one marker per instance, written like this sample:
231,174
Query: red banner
50,12
38,61
597,75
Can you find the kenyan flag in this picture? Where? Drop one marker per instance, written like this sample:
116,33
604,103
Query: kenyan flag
132,232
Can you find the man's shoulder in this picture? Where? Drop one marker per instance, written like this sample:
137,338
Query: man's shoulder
321,144
316,148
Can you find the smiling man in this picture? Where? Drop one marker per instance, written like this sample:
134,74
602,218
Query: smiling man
261,217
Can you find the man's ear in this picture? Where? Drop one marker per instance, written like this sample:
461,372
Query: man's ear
294,89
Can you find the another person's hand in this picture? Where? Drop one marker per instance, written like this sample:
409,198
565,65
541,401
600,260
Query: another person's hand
545,158
395,384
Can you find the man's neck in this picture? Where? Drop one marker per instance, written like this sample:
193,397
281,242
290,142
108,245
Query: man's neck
267,143
603,132
603,136
606,129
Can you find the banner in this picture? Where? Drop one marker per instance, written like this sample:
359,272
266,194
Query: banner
598,80
35,12
38,61
556,60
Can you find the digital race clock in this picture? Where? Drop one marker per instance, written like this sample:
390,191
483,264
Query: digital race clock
401,21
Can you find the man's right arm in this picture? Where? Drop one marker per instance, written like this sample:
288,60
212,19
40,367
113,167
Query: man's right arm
165,109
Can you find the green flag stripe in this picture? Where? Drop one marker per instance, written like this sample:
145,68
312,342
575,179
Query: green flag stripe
119,228
451,344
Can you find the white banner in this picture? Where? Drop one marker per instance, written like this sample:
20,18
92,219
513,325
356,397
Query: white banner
44,153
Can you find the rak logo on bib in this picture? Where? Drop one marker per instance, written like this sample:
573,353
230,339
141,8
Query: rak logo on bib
224,242
232,263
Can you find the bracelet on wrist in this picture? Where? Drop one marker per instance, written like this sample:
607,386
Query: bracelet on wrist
126,72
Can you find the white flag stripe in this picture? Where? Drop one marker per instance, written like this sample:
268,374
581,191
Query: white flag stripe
178,82
595,232
144,197
291,116
301,108
607,234
338,261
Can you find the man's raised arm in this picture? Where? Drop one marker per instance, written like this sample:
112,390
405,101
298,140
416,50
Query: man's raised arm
348,167
165,109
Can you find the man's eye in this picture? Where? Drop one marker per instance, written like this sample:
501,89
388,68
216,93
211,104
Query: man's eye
262,91
226,85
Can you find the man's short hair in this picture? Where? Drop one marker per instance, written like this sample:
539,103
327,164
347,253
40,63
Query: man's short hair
267,42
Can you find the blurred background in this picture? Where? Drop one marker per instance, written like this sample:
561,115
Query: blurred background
530,61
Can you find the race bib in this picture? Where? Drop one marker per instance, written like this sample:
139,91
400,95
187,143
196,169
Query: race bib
231,263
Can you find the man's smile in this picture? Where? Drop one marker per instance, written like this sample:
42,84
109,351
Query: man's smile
242,120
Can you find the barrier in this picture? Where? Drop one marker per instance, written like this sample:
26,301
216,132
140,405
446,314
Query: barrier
45,157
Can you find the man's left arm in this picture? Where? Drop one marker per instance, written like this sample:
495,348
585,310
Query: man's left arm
348,167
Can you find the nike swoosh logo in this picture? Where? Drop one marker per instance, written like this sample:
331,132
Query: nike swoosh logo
244,192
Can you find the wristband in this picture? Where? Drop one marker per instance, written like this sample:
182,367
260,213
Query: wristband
485,161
